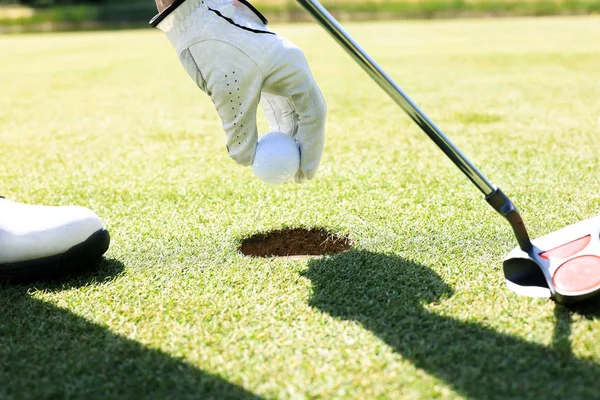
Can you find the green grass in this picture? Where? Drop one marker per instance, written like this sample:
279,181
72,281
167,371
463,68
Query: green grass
417,310
438,8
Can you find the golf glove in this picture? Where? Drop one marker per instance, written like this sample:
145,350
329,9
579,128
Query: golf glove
227,49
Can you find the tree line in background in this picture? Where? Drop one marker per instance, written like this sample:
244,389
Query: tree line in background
47,3
31,15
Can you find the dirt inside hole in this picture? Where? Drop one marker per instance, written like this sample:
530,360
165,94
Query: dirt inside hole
294,242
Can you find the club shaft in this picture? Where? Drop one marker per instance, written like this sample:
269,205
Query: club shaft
397,94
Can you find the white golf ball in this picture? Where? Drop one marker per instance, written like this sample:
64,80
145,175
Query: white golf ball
277,158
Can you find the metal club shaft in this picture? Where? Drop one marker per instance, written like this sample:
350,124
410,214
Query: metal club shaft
493,194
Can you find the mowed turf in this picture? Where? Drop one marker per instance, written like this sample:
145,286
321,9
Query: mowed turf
417,310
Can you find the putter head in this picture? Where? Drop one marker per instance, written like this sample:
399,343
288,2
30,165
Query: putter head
563,265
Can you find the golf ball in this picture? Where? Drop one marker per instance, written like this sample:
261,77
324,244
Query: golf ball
277,158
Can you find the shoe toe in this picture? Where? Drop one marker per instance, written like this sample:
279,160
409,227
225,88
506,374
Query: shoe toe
29,232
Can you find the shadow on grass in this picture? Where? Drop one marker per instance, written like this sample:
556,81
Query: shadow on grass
48,352
387,294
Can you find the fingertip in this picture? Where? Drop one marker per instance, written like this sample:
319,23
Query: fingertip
299,178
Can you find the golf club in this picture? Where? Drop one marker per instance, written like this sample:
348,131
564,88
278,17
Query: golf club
563,265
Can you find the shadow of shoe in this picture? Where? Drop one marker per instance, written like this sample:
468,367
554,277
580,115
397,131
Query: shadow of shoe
49,352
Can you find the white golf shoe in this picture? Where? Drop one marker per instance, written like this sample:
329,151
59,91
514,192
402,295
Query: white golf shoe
40,241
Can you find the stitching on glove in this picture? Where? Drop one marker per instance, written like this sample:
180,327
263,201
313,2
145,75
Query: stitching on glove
202,83
239,26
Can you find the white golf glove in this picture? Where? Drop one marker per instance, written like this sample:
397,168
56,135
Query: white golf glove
227,49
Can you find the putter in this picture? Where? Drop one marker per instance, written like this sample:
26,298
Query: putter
563,265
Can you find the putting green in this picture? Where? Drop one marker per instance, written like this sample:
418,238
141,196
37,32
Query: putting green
418,307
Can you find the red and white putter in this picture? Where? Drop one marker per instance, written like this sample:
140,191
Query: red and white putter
563,265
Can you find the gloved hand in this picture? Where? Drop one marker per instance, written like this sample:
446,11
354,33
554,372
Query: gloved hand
227,49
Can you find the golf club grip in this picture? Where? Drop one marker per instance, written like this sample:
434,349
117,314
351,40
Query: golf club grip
325,19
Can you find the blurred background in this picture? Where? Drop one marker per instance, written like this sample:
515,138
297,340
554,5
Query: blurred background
56,15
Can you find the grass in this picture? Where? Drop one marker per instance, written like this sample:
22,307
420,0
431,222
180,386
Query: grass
437,8
417,310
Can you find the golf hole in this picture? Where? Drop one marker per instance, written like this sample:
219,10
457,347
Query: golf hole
295,243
